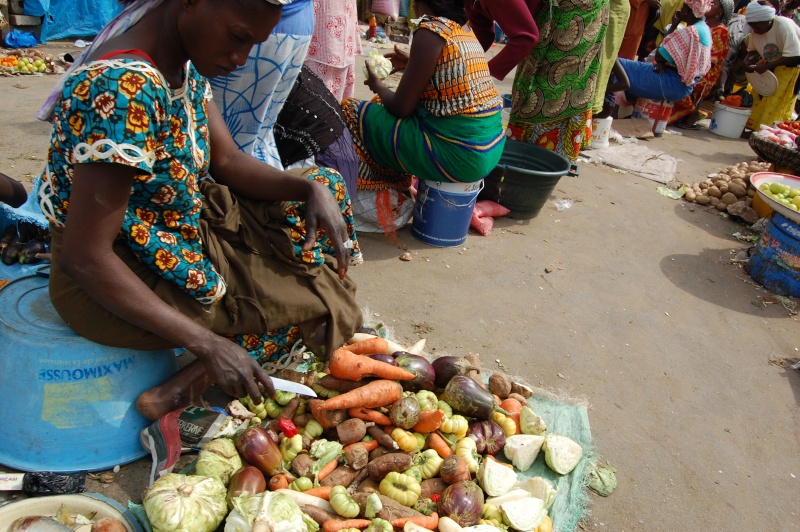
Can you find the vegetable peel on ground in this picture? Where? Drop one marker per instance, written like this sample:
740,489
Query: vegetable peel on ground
602,480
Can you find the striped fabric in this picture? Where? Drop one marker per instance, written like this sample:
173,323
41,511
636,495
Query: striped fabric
461,83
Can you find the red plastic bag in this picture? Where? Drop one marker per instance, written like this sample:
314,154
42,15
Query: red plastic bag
489,208
482,225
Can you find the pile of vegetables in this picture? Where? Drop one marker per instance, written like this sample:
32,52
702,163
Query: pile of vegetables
393,442
27,61
726,187
24,242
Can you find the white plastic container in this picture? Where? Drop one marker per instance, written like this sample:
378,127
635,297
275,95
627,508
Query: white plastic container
601,131
728,121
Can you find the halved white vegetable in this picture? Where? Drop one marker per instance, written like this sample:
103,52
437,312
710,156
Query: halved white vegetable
561,453
523,514
539,488
495,478
522,450
448,525
531,423
412,527
513,495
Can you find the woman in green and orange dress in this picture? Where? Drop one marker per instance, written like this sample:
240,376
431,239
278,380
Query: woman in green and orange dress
443,121
685,112
554,86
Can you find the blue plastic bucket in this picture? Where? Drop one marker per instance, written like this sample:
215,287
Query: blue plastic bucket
67,403
775,263
442,212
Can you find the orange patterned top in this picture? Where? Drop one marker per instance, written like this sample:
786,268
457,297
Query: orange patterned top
461,83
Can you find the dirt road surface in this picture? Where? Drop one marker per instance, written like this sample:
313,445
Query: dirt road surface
627,300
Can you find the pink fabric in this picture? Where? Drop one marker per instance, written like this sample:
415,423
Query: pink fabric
691,58
335,43
699,7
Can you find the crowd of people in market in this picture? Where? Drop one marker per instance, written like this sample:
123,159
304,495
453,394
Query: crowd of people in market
206,155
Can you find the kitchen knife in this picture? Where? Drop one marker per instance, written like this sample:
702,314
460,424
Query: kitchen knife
290,386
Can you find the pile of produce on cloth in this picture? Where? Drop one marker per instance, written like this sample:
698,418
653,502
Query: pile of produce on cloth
28,61
393,442
727,187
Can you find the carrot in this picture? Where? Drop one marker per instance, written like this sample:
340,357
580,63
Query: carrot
278,482
425,521
327,469
323,492
368,414
368,445
429,421
438,444
335,525
352,367
513,407
370,346
371,395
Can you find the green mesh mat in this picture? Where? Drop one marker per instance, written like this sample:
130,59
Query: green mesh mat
571,421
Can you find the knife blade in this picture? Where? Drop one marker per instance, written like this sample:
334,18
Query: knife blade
290,386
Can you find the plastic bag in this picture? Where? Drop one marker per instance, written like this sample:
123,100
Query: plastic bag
20,39
490,208
46,483
367,211
482,225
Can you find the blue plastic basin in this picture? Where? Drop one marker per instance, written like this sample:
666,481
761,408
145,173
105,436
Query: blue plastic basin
67,403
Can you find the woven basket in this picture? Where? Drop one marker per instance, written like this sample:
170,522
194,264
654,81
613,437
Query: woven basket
780,156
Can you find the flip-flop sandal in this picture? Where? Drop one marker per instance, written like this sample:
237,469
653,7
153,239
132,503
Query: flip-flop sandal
687,126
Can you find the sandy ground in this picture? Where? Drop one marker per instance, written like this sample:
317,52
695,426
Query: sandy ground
627,301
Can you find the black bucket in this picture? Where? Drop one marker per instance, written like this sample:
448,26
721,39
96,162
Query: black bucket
525,177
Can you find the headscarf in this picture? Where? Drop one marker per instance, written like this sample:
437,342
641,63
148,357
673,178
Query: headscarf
692,58
759,13
727,11
132,14
699,7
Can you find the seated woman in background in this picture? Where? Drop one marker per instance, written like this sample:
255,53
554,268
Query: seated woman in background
149,254
443,123
685,112
682,59
774,45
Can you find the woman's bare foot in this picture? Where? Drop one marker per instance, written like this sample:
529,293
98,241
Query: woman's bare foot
185,388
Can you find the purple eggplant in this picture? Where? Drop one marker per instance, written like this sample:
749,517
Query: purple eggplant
447,367
489,437
419,366
467,398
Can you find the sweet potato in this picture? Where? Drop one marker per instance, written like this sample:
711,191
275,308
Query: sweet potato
368,486
432,486
301,465
318,514
384,439
340,385
521,389
341,476
500,384
391,509
357,457
384,465
351,431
